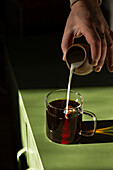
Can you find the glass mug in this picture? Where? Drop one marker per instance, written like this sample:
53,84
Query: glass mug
63,125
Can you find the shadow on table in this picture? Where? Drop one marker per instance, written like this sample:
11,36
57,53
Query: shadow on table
104,132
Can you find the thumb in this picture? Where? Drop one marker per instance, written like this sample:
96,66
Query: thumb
67,41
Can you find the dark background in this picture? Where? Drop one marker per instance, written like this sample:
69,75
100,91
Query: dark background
30,37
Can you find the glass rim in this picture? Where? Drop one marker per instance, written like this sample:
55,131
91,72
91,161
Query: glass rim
59,90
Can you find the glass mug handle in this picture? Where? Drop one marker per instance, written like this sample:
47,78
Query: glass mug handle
90,132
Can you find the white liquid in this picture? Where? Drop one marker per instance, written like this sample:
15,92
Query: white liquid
73,66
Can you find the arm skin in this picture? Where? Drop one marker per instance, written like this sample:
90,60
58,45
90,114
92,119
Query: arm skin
87,19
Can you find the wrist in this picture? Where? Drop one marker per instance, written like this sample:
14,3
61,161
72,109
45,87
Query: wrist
72,2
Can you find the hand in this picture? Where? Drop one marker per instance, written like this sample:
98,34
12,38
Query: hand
87,19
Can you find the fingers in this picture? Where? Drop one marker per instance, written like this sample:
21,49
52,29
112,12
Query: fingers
103,52
109,38
98,44
94,40
106,51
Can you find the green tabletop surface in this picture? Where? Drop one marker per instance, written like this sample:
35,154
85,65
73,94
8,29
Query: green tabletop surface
91,156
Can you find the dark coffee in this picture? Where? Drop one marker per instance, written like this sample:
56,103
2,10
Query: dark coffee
58,128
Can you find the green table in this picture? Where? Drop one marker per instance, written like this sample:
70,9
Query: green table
41,153
37,68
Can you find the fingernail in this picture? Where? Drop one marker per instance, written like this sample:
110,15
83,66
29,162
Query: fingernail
95,62
98,69
64,58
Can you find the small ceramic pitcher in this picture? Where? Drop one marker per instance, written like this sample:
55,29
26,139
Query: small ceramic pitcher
79,52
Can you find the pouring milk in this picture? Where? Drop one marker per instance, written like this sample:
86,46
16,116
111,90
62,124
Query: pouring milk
73,67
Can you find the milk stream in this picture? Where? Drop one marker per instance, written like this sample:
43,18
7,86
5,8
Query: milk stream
73,66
